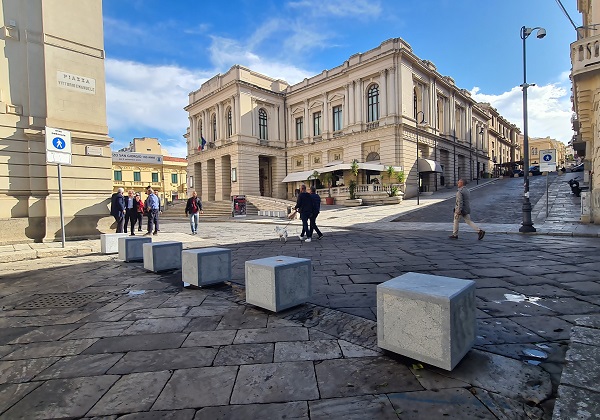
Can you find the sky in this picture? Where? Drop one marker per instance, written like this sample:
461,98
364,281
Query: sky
158,51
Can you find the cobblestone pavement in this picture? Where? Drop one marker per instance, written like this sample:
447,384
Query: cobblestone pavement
90,336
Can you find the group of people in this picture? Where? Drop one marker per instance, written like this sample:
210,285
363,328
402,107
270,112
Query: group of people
309,207
131,209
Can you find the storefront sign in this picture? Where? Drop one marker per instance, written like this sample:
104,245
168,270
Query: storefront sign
136,158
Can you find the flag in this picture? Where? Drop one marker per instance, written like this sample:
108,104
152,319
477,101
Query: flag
203,144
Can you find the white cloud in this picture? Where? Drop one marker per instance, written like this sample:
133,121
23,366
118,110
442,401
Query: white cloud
142,98
548,108
225,52
340,8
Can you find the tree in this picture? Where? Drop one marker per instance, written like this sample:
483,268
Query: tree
352,187
327,179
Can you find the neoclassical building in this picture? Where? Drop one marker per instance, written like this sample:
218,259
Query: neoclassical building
585,75
254,135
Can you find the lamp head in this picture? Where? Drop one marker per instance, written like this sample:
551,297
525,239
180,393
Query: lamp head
541,33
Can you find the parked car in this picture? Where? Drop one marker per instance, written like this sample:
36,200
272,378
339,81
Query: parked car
577,168
535,170
518,172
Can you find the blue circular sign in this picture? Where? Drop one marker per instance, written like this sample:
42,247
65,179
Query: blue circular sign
547,158
58,143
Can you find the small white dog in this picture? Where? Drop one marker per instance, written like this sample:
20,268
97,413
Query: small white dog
282,232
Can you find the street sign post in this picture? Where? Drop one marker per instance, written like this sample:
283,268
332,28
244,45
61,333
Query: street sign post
547,164
58,150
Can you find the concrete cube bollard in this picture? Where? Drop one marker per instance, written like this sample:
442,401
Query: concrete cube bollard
109,242
428,318
130,248
278,283
161,256
205,266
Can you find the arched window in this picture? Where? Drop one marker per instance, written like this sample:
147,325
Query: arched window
373,103
262,124
214,124
229,124
372,157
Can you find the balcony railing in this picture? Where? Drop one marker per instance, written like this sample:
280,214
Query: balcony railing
585,53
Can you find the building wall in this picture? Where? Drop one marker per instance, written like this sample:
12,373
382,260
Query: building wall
450,132
52,74
585,75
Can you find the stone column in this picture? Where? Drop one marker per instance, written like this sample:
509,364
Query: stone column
233,115
383,90
358,97
191,138
392,91
220,121
351,104
325,128
306,127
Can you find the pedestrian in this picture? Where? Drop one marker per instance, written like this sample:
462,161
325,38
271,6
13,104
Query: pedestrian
316,200
153,208
193,208
462,208
117,209
304,206
139,207
130,211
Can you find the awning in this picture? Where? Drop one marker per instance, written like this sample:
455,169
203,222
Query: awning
367,166
428,165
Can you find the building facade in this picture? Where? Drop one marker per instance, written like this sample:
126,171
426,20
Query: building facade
144,164
52,75
251,134
585,75
537,144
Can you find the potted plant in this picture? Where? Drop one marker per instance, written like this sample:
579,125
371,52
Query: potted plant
353,201
327,179
312,177
394,193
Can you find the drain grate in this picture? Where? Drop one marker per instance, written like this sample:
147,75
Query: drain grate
61,300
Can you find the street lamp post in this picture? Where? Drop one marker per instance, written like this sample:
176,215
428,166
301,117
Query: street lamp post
478,171
417,161
527,225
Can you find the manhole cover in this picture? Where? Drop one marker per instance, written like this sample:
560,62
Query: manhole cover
61,300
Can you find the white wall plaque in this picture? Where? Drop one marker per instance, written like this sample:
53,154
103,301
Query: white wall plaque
75,82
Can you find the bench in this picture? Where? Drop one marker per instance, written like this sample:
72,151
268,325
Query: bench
427,318
109,242
131,247
205,266
278,283
161,256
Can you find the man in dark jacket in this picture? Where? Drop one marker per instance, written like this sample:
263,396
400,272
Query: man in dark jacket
130,211
193,207
316,200
304,206
117,209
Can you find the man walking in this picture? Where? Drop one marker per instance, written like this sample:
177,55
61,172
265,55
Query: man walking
462,208
117,209
304,206
316,200
153,206
192,208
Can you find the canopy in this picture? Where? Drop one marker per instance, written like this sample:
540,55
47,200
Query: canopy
428,165
367,166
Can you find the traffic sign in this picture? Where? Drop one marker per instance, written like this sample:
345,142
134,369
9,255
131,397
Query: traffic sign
548,160
58,146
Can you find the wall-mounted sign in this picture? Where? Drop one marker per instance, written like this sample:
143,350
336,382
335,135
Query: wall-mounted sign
136,158
93,151
75,82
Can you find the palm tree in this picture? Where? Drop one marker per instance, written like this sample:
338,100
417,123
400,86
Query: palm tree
352,188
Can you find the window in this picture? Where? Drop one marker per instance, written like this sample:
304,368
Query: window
229,124
137,176
373,104
317,123
262,124
154,176
299,122
118,176
337,118
173,178
214,124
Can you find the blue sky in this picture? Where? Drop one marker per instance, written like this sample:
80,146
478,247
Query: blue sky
158,51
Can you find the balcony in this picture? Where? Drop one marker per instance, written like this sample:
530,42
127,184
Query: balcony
585,55
372,125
